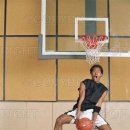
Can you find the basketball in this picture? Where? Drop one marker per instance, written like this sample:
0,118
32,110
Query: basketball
84,124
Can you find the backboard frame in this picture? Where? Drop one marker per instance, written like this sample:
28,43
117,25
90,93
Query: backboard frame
44,54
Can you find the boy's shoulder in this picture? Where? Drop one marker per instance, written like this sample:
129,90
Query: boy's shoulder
103,86
86,81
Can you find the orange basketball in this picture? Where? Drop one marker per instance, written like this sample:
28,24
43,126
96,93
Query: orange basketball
84,124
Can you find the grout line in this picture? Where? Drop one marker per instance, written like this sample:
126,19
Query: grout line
56,49
4,49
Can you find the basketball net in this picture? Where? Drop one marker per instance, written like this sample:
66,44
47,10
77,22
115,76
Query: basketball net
92,44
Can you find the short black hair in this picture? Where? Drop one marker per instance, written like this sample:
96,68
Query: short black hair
96,66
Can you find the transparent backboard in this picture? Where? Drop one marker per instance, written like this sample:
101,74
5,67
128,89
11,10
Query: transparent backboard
61,29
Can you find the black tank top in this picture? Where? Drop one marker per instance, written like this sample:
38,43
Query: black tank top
92,94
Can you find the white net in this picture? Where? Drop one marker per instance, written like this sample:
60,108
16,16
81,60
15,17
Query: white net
92,56
93,45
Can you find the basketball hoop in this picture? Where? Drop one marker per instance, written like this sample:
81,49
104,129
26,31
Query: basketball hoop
92,44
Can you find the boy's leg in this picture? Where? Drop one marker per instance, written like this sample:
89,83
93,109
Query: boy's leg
105,127
61,120
102,124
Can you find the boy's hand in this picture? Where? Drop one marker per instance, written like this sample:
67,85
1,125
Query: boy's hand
93,123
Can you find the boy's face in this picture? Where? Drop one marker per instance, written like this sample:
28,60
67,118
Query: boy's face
96,74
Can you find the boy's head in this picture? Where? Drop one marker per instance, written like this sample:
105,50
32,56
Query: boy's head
96,72
96,66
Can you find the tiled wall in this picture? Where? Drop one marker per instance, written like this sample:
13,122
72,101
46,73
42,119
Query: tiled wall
42,116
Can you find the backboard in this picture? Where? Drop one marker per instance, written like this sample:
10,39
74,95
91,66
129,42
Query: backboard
61,29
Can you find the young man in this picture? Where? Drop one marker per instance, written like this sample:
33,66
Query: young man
91,96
